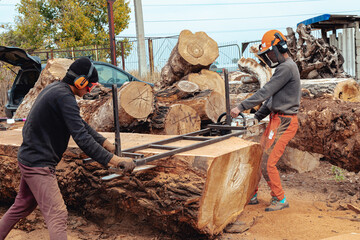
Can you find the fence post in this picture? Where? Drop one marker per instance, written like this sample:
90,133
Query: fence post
151,56
72,53
96,53
52,53
123,55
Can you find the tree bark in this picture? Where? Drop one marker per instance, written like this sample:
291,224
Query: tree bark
330,127
261,73
181,89
192,53
200,191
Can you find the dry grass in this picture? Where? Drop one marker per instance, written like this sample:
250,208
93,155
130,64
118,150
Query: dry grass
148,78
6,80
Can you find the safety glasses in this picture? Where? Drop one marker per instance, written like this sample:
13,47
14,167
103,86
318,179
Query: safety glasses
90,86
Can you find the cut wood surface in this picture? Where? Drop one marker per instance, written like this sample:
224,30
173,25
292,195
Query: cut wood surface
135,100
207,79
348,91
176,119
55,70
192,53
209,105
201,190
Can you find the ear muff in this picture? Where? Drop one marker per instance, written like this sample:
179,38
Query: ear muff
81,81
282,46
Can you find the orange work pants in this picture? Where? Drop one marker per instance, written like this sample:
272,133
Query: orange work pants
280,130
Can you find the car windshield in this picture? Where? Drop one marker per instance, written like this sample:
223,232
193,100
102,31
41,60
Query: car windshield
110,75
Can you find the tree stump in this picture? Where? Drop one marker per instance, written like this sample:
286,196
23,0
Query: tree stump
199,191
207,79
192,53
176,119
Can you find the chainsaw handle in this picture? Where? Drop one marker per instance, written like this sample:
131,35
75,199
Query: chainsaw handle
224,114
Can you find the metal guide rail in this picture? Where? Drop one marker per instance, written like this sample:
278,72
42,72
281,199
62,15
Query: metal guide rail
222,130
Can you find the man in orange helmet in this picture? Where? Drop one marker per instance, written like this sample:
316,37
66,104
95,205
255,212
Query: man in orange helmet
282,99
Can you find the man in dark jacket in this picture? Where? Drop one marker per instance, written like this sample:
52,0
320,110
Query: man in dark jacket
54,117
282,99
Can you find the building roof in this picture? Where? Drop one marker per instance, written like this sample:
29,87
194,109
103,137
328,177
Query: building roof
331,21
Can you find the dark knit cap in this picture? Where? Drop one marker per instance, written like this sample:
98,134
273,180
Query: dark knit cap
80,67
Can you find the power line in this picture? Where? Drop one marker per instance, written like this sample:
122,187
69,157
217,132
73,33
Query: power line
241,18
234,3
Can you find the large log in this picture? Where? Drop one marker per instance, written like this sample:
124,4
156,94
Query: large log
192,53
207,79
176,119
261,73
55,70
200,191
136,103
330,127
208,104
181,89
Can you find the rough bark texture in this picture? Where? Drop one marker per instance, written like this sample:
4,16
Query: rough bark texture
181,89
330,127
136,103
200,191
314,57
261,73
192,53
55,70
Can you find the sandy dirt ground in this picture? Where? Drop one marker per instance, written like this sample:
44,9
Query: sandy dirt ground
321,206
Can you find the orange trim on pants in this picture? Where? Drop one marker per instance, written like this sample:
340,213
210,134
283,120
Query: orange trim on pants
280,130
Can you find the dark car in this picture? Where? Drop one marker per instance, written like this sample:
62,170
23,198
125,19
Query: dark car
31,67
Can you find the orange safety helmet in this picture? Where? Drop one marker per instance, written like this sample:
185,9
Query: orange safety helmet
273,41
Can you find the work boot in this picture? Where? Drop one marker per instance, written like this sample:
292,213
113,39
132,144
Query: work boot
277,205
254,200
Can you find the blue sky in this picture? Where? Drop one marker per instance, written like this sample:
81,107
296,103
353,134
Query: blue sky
225,20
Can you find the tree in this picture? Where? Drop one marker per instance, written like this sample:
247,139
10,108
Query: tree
65,24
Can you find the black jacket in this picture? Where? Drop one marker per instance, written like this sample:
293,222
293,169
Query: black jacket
55,116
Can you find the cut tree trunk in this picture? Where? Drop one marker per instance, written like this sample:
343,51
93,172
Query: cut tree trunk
208,104
261,73
348,91
236,99
207,79
135,100
200,191
176,119
330,127
181,89
192,53
55,70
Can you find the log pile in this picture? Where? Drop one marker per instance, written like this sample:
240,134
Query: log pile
200,191
314,57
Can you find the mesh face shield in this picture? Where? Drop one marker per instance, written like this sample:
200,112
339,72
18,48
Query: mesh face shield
271,56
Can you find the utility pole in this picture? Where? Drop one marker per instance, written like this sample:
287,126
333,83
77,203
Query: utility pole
140,37
111,31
